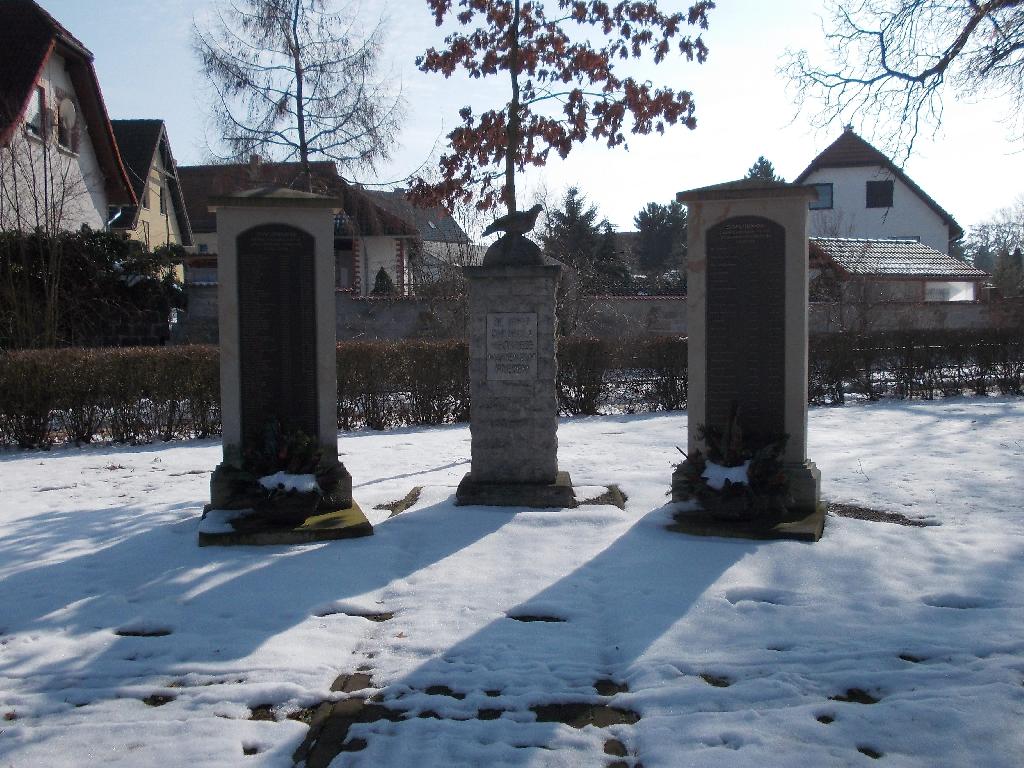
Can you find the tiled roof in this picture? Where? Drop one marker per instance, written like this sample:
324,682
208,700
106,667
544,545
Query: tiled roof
890,258
25,43
362,215
434,224
28,36
851,151
138,142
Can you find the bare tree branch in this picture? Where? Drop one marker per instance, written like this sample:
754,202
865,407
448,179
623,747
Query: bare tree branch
297,79
895,61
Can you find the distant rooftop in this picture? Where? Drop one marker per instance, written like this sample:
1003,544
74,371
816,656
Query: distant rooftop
892,258
434,224
363,215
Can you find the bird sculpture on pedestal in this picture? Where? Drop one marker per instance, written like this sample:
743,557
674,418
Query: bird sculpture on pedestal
517,223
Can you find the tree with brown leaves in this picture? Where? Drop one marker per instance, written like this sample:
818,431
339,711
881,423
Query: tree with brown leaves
562,58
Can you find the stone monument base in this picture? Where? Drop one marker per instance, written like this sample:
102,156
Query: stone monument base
242,527
514,250
558,494
232,488
804,486
796,525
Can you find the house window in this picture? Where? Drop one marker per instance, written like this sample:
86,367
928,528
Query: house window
36,110
935,290
879,194
204,248
163,202
824,201
145,196
343,264
67,124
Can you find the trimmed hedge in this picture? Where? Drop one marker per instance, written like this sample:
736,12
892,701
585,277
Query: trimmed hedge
128,394
915,364
384,384
133,395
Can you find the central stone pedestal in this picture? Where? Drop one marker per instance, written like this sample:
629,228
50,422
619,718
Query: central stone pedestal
513,395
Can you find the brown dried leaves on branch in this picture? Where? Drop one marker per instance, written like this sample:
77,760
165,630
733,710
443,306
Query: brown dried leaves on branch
565,87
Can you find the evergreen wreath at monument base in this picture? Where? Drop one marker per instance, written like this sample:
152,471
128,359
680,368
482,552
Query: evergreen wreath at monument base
283,481
740,478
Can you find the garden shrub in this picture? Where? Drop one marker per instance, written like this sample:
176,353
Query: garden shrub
80,399
1009,363
830,365
665,357
369,373
582,362
28,396
141,394
436,376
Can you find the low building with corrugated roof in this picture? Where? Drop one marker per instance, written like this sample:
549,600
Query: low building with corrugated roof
859,270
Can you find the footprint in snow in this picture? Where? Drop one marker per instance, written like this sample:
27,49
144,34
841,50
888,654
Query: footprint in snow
758,595
960,602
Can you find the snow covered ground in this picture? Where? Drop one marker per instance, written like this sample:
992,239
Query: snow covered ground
732,651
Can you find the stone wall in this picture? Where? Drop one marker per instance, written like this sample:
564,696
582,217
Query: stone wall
951,316
615,316
631,316
400,317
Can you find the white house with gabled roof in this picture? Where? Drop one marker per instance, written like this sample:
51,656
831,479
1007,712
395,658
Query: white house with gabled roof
60,167
862,194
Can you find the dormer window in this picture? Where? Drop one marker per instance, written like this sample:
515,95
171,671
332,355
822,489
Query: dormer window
879,194
34,119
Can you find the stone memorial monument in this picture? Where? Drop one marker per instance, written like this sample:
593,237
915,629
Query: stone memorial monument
512,367
280,480
747,319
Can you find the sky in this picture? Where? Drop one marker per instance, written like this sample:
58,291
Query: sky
972,166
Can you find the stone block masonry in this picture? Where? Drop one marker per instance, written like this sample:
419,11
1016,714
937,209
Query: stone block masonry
514,412
514,400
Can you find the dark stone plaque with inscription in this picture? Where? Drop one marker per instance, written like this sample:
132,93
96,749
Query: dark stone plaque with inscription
746,318
277,330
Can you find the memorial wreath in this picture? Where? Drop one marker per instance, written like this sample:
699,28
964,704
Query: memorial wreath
739,477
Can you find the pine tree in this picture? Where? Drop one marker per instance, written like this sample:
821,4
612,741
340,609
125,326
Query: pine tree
662,236
572,232
764,170
610,271
1008,274
576,236
382,283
